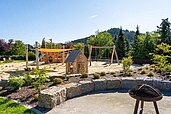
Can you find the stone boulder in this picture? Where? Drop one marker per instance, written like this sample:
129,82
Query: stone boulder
99,84
52,97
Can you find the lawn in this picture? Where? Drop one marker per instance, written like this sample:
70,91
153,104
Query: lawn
14,61
11,107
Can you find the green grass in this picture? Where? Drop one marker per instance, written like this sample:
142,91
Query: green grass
11,107
14,61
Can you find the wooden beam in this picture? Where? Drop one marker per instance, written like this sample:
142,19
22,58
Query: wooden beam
37,56
113,51
89,58
63,54
117,57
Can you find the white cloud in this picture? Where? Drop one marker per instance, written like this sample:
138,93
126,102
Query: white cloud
93,16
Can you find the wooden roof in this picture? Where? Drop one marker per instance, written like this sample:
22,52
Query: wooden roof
53,50
72,56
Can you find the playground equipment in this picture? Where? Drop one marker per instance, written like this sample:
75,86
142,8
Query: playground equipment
48,55
76,63
105,47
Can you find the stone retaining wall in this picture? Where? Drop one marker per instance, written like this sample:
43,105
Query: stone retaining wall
55,95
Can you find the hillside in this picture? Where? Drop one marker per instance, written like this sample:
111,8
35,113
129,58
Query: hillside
114,32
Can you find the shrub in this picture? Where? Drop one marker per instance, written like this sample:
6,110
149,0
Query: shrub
129,74
167,68
127,62
57,81
150,74
96,76
16,82
112,73
36,97
142,72
139,69
27,78
102,73
40,79
84,75
31,55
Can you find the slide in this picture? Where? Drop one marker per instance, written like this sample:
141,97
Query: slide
40,57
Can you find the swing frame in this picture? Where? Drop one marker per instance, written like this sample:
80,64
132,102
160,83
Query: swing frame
113,52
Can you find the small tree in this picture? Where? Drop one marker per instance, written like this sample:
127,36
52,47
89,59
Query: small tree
41,79
127,62
18,48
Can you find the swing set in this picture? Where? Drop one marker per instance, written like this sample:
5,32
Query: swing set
98,54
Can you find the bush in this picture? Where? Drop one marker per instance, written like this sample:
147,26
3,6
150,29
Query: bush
28,79
18,57
16,82
57,81
127,62
84,75
36,97
102,73
167,68
150,74
31,55
142,72
129,74
96,76
112,73
40,79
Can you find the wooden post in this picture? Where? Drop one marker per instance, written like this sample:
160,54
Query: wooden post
26,56
89,58
113,51
63,54
117,57
37,56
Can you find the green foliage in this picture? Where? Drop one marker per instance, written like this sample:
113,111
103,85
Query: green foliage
142,72
18,48
164,30
143,45
57,81
102,73
79,46
167,68
102,39
40,79
31,55
150,74
112,73
27,78
161,55
127,62
96,76
129,74
11,107
84,75
122,45
36,97
16,82
43,43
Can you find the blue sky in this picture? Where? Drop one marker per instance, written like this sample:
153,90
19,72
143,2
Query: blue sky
66,20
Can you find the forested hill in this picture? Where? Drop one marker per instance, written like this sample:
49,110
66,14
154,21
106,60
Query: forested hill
114,32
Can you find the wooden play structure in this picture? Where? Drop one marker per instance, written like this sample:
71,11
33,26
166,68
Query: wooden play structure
76,63
105,47
48,55
54,55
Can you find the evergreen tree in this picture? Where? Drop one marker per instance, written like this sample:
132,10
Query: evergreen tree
122,45
164,31
136,37
43,43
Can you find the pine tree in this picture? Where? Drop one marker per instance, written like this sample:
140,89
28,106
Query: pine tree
136,36
122,45
43,43
164,31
